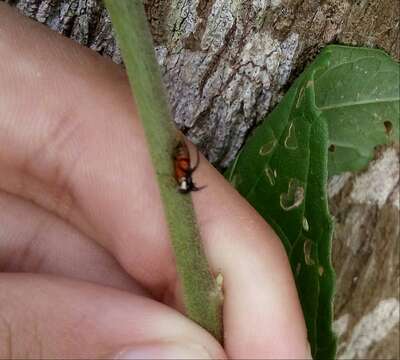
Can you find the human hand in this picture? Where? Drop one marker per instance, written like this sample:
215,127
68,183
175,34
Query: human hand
87,267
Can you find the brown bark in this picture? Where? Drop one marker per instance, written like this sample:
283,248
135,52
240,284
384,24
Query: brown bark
226,63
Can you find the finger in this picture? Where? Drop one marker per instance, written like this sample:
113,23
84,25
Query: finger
262,314
71,143
50,317
33,240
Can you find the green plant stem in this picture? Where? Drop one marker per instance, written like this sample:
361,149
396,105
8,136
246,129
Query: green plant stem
202,296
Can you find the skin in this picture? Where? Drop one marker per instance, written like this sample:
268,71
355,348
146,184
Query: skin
87,267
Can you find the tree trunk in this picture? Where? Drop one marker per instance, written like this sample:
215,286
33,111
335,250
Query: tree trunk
225,64
366,259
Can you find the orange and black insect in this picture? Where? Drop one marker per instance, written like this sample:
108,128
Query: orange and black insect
183,169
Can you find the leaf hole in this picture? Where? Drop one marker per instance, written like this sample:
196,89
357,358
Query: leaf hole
332,148
291,140
388,127
321,270
307,248
267,148
270,175
294,196
306,227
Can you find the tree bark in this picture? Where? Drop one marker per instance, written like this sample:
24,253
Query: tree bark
226,63
366,259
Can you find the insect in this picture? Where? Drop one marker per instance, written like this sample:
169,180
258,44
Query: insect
183,170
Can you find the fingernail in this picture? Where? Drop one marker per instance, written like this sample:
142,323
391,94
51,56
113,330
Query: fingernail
164,351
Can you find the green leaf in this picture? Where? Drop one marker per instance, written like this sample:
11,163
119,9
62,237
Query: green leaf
282,173
359,97
343,102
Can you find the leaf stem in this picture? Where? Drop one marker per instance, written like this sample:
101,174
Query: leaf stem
202,295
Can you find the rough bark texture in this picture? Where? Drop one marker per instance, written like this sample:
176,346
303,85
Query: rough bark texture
226,63
366,258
